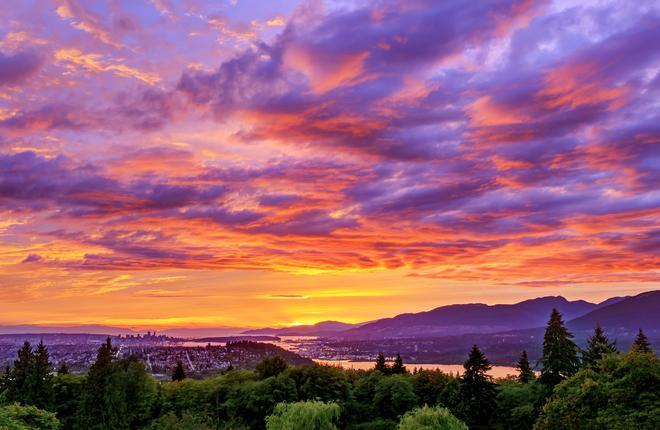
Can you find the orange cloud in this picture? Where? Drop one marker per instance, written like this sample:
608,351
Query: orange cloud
484,111
325,71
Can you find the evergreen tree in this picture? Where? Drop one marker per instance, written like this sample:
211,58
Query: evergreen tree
102,406
179,374
641,343
560,359
526,374
63,370
478,392
597,346
41,381
381,365
398,367
19,389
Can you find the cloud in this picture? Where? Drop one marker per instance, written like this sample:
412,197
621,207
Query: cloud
492,142
17,67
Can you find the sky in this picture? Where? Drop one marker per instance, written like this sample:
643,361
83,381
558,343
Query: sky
247,163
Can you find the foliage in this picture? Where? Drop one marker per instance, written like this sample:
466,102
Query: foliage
381,364
179,374
477,390
428,418
271,366
187,421
525,372
598,345
309,415
519,404
559,358
394,396
619,393
641,343
429,384
29,382
118,394
398,367
67,390
16,417
325,383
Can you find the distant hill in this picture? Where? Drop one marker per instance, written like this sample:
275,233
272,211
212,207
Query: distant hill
77,329
325,328
628,314
474,318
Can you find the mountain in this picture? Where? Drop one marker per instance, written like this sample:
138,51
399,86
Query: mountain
471,318
628,314
325,328
76,329
612,300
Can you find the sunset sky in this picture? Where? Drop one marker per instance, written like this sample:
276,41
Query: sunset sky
247,163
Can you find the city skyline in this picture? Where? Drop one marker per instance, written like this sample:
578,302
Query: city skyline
249,164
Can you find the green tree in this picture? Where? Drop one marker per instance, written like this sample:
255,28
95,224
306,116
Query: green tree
187,421
137,389
381,364
394,396
102,406
518,404
428,386
179,374
325,383
19,386
560,359
63,369
598,345
641,343
477,390
67,391
525,372
398,367
17,417
118,394
41,381
271,366
620,393
310,415
430,418
362,405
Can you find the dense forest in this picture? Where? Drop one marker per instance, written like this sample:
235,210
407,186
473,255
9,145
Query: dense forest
599,387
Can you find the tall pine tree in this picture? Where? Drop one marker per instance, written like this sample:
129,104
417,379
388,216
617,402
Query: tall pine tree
525,372
641,343
179,374
41,381
102,404
381,365
19,389
478,392
598,345
398,367
560,354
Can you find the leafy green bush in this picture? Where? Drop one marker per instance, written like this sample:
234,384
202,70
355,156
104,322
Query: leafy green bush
16,417
310,415
619,393
430,418
187,421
